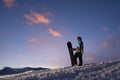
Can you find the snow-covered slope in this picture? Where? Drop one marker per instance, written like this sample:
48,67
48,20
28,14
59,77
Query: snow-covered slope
109,70
9,70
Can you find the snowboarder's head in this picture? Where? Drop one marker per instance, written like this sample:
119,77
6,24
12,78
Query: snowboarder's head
79,38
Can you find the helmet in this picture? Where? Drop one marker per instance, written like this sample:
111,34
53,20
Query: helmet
79,37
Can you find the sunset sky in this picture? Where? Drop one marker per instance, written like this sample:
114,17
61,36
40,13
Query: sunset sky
34,33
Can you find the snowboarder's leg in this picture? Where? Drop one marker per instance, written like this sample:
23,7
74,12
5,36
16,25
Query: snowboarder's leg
76,55
80,60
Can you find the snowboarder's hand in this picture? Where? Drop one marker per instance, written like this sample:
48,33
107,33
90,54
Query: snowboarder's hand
73,48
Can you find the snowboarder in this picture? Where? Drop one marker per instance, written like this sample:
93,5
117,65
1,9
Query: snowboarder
79,51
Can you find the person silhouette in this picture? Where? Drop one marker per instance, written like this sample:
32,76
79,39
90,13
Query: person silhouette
79,51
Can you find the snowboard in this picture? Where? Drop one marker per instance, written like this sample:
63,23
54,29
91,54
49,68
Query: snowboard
70,49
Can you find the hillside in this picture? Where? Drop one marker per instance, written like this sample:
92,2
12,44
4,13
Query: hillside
9,70
108,70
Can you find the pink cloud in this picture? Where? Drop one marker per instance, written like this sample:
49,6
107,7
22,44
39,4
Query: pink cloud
9,3
90,58
54,33
105,29
111,42
106,45
37,18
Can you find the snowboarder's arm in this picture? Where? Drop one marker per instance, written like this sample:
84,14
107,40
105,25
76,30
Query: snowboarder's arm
74,48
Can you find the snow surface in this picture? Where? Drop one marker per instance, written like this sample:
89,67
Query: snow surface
108,70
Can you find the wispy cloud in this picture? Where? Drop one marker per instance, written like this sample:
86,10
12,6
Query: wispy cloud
37,41
104,28
9,3
20,55
106,45
32,40
90,58
37,18
54,33
111,42
117,41
34,44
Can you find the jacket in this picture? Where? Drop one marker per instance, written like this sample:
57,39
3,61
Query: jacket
80,47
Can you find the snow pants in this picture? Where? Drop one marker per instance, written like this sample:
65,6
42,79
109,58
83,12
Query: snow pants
78,55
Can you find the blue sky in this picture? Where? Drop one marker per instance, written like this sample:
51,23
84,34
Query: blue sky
35,32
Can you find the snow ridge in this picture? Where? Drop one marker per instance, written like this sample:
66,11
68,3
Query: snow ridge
108,70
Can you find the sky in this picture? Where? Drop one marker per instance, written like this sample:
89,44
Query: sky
34,33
